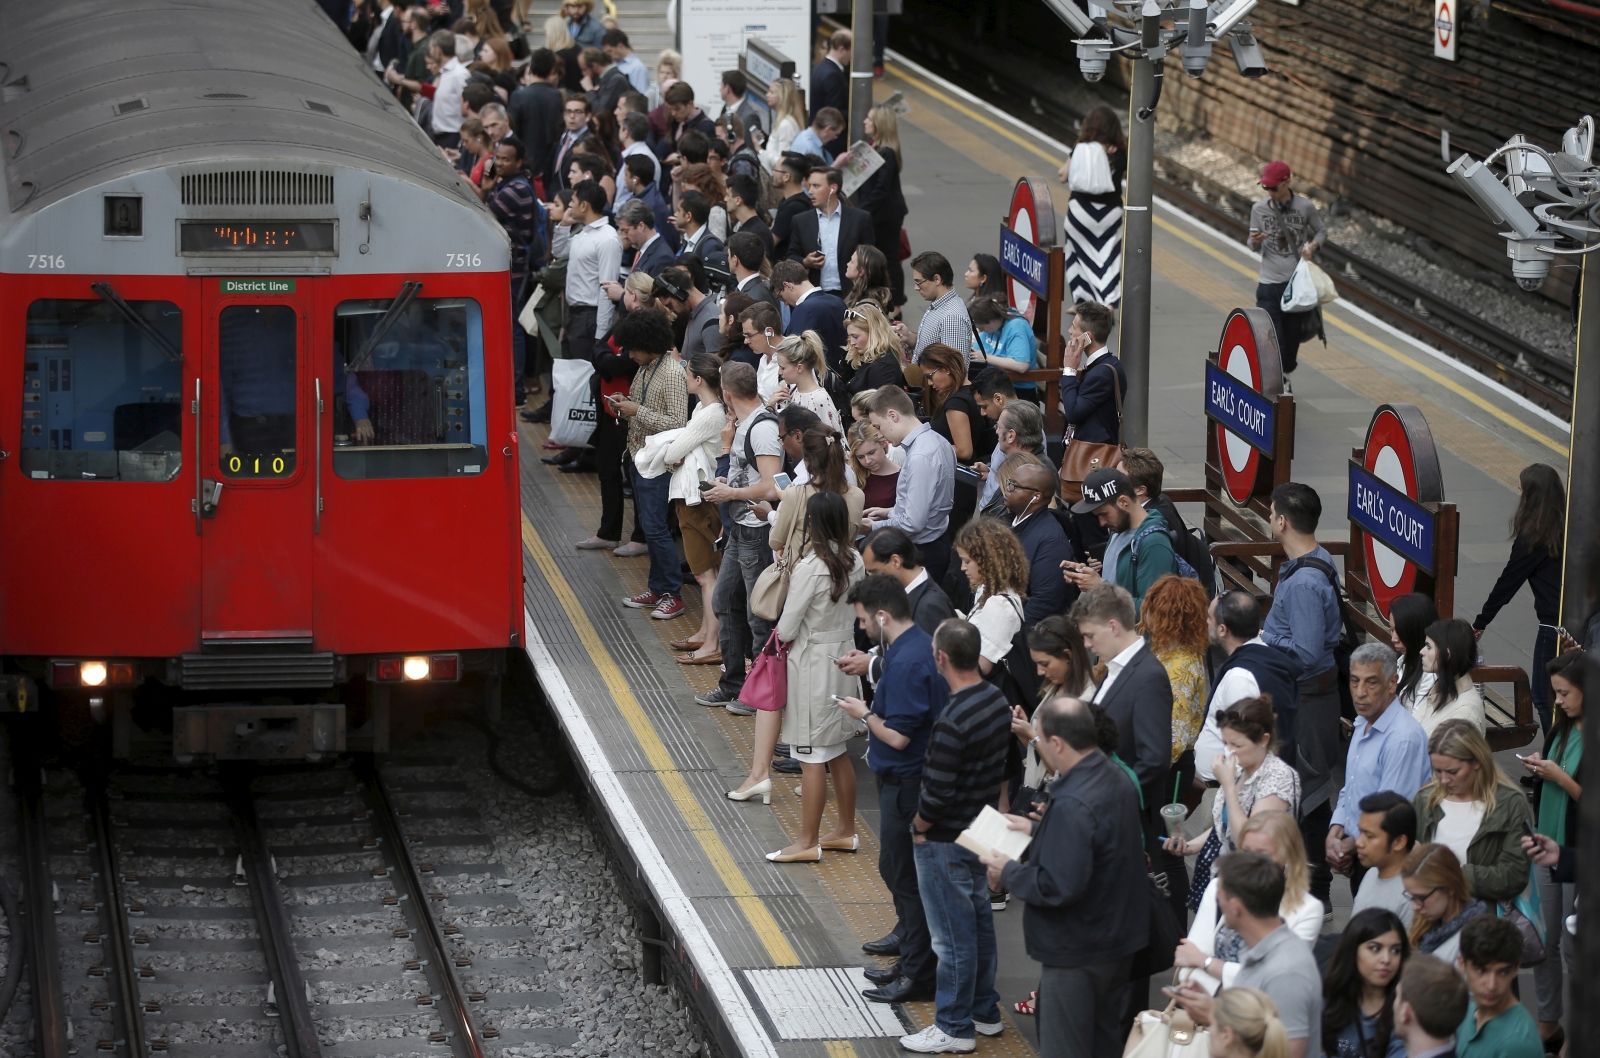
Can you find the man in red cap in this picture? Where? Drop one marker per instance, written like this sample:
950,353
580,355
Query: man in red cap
1285,227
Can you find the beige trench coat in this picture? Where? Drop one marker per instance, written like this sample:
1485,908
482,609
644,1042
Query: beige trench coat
815,626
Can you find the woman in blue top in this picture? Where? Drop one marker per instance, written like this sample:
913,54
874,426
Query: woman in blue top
1358,988
1004,339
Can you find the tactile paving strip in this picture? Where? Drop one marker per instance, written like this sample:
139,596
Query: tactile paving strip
820,1003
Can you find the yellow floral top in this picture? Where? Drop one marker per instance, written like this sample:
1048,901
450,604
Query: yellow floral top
1186,671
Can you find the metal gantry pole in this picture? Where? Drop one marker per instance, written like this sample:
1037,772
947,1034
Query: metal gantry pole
860,67
1579,552
1138,229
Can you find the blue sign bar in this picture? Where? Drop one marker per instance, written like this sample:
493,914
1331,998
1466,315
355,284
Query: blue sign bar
1240,409
1394,519
1024,262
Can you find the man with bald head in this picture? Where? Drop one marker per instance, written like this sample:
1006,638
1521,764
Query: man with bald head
1027,496
1083,885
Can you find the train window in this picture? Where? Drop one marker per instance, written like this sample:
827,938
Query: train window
101,390
408,388
257,375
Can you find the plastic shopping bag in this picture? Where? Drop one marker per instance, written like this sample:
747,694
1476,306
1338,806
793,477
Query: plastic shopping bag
1326,291
1301,293
572,408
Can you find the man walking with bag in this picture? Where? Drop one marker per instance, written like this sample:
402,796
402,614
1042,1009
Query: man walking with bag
1285,227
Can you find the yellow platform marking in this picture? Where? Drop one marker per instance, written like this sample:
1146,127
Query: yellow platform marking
1504,416
839,1049
717,853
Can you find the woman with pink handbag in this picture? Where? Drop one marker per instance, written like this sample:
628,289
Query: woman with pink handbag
817,623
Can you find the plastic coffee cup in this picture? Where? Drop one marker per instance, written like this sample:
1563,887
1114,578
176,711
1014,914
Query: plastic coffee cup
1174,815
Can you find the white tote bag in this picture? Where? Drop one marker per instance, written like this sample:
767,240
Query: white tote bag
572,408
1301,293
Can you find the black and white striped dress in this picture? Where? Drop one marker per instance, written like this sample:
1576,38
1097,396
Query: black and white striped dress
1094,224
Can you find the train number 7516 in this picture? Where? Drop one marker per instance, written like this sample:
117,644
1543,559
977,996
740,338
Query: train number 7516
47,262
463,260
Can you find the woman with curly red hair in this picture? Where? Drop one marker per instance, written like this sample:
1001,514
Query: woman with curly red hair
1173,621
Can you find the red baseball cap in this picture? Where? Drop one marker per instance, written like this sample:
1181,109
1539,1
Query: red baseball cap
1273,174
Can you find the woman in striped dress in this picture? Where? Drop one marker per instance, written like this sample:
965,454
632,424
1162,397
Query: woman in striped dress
1093,176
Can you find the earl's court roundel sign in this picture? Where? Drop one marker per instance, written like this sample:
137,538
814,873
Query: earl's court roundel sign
1396,475
1242,387
1025,239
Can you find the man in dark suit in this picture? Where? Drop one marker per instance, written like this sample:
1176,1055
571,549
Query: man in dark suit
830,81
890,550
811,310
575,119
638,176
691,217
535,112
746,251
1137,696
636,223
789,186
606,82
1091,373
825,237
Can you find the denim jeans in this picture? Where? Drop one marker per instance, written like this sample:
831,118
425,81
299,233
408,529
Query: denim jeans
742,633
955,897
652,507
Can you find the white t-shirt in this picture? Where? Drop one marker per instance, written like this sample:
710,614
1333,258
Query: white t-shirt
1459,825
767,377
997,618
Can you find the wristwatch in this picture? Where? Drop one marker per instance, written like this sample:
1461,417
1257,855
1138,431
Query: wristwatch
912,826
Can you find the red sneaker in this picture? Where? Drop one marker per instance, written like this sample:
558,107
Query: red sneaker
645,600
669,607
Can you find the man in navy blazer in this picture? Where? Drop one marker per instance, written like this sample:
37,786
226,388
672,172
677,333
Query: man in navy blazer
812,310
637,226
830,81
1091,374
827,257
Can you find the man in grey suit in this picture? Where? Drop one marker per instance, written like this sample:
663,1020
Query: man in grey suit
1137,696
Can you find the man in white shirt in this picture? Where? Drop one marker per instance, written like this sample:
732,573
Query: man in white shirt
593,260
1253,668
763,330
1386,833
447,115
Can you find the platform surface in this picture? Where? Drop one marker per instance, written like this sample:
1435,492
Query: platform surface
773,948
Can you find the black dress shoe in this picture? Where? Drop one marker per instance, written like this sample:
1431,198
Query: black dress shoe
540,414
578,466
888,944
900,990
883,975
786,766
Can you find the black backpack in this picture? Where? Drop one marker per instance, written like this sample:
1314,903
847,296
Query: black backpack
750,435
1350,633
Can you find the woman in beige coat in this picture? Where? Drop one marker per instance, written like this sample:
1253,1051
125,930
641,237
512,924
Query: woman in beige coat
823,454
818,622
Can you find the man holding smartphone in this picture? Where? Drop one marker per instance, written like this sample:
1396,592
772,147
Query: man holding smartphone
1285,227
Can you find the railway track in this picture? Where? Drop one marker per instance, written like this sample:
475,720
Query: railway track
270,912
1453,329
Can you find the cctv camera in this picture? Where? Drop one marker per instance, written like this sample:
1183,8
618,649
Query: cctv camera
1492,196
1092,58
1247,54
1530,260
1196,48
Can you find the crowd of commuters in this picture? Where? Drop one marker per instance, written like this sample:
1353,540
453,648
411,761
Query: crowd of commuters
873,501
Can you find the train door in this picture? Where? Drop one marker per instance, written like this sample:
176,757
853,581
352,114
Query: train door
259,492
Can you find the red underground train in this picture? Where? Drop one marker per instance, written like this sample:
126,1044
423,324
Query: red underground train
258,465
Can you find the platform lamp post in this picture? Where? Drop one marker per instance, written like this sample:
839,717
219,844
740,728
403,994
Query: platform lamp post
1562,188
1192,26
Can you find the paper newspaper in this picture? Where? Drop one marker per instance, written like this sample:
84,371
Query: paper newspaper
989,833
864,161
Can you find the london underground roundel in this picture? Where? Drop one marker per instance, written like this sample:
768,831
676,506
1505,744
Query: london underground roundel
1247,354
1032,216
1402,473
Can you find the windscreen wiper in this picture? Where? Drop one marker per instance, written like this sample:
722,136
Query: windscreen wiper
142,325
408,293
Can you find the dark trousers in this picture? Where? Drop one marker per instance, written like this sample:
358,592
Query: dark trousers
936,558
581,323
887,238
610,441
1080,1010
1314,831
897,866
1269,296
519,337
741,633
1544,649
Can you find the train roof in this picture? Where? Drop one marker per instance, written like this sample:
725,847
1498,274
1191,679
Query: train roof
93,91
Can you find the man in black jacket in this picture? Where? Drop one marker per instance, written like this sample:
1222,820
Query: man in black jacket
535,112
1027,501
825,237
830,78
1253,668
1090,375
890,550
1083,882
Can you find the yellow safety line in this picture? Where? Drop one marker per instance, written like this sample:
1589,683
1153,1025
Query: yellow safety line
839,1049
717,853
1232,262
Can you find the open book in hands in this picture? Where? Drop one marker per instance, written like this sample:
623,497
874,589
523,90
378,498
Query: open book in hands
990,833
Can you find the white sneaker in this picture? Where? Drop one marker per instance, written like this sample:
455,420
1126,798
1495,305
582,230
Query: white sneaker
933,1040
989,1028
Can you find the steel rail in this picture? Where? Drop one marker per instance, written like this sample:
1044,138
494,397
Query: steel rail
53,1037
127,1015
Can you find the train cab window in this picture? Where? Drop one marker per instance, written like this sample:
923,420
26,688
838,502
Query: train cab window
256,372
101,390
408,398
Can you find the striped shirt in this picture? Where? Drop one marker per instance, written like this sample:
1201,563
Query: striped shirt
966,760
512,205
946,322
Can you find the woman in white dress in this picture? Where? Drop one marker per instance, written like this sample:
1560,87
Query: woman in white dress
801,368
788,118
1093,176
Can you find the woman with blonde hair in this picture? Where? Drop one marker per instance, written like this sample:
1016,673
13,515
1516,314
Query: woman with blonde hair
876,473
1173,621
996,567
1476,811
788,107
1245,1024
871,348
1213,949
558,38
1441,902
802,367
881,194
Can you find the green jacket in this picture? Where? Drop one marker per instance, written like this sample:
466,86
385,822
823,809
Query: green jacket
1496,867
1147,558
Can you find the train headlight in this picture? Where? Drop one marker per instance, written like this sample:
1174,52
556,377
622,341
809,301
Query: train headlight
416,668
92,673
